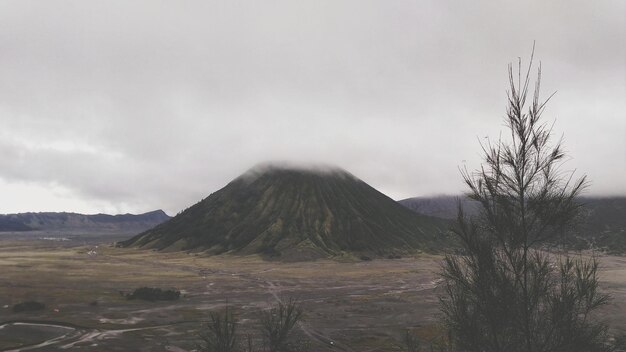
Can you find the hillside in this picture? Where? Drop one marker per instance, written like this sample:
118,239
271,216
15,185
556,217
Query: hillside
443,206
73,222
602,225
9,225
281,210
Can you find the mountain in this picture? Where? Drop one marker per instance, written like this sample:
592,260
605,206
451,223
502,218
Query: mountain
9,225
602,225
286,210
72,222
443,206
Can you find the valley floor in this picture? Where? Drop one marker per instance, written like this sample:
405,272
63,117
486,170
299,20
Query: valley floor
349,306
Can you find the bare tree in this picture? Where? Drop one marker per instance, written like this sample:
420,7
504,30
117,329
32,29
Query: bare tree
411,342
221,333
277,324
506,292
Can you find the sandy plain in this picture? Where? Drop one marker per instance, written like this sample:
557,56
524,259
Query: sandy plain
349,305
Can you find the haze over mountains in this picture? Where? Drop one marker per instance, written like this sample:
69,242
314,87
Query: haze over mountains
442,206
73,222
602,225
277,209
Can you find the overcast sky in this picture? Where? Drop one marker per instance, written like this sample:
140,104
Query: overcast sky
130,106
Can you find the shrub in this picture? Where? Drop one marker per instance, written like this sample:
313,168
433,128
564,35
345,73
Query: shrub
154,294
221,333
507,293
411,342
28,306
278,322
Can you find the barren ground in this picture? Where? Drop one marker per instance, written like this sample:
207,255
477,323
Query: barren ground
357,305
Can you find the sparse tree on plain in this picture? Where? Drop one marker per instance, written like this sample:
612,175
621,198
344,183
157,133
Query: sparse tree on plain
277,324
505,292
221,333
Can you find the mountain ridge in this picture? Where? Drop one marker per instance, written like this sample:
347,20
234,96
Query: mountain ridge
70,221
602,224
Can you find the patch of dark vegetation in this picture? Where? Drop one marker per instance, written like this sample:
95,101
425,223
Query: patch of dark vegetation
365,258
28,306
271,253
154,294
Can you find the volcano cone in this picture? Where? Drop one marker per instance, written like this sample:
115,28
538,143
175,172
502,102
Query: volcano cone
275,210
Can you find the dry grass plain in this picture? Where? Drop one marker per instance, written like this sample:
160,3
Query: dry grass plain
357,305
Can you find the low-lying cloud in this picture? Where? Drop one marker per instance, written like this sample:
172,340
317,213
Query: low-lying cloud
119,106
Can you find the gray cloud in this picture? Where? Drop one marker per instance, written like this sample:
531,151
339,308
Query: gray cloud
153,104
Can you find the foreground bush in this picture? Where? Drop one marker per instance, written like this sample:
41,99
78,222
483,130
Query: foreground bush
506,293
220,334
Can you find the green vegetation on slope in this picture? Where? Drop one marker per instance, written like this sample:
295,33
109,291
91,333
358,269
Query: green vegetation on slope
276,209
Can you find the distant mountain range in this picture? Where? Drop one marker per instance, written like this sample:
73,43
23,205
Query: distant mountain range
603,224
279,210
73,222
7,224
443,206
